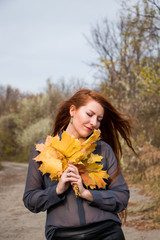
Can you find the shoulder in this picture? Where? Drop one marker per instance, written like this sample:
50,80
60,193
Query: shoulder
34,149
41,141
105,150
104,146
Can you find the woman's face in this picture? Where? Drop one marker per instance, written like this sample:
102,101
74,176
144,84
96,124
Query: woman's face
85,119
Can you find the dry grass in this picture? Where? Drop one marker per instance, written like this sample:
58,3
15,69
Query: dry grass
146,176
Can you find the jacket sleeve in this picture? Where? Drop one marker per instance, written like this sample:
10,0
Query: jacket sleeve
115,197
38,197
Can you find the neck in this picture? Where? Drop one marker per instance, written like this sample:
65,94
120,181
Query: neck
71,131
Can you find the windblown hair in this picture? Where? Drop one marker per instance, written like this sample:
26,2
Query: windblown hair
113,125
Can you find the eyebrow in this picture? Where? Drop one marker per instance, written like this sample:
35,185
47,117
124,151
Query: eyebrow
101,116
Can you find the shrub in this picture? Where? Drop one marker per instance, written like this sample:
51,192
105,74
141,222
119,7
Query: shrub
31,135
9,126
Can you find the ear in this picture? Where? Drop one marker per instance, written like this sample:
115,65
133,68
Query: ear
72,110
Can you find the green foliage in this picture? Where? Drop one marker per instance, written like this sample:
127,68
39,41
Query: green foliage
8,128
34,132
31,135
25,119
32,108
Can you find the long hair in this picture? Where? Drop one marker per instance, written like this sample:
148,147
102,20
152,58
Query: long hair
113,124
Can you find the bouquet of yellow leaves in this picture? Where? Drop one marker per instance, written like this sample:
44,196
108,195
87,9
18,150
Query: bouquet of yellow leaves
56,153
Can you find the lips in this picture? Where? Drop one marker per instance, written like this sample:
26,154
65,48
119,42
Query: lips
90,129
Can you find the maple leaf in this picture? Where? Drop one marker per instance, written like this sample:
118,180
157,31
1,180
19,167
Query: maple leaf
56,154
53,166
89,145
50,162
68,145
92,173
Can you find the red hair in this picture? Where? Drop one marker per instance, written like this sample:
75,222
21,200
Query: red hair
113,125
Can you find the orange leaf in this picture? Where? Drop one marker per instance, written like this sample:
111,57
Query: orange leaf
56,154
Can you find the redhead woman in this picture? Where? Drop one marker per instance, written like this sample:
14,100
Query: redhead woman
94,213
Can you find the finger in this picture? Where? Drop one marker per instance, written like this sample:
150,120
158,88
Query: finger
73,168
71,165
73,179
65,176
72,174
68,170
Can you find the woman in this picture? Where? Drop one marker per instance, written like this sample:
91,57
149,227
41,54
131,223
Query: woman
94,214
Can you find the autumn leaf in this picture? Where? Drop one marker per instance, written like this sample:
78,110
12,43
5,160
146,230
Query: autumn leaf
92,173
89,145
68,145
56,153
53,166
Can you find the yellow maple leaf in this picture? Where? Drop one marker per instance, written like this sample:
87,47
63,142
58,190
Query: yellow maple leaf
89,145
91,172
56,154
53,166
68,145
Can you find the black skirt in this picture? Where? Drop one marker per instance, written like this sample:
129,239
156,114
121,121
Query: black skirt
107,230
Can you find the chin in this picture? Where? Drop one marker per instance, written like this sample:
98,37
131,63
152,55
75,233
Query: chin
86,134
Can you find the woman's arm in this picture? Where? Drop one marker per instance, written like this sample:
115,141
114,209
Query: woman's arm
115,197
36,196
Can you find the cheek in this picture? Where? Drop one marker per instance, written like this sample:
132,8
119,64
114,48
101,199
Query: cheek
98,125
82,117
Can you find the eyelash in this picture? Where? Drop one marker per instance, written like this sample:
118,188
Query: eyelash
99,120
90,115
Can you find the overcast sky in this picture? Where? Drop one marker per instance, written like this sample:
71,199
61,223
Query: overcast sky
42,39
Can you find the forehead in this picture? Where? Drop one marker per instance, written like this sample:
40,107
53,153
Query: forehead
94,106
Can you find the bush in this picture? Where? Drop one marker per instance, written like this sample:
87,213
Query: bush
31,135
33,108
8,130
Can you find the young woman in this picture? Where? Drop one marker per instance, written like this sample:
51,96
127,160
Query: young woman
93,214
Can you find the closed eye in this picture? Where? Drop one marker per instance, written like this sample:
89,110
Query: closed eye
90,115
99,120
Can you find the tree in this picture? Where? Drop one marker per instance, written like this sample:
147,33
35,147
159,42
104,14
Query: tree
9,98
129,56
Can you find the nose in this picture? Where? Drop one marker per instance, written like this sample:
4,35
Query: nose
93,121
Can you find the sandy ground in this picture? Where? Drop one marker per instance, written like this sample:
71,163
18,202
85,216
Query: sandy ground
17,223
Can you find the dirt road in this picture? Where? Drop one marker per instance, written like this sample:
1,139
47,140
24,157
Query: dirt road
17,223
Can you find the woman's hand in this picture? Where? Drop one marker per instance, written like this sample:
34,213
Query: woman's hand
67,177
71,176
75,178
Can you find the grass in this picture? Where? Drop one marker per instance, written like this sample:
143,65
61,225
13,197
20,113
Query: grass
144,173
149,211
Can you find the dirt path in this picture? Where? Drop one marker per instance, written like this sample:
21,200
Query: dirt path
17,223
